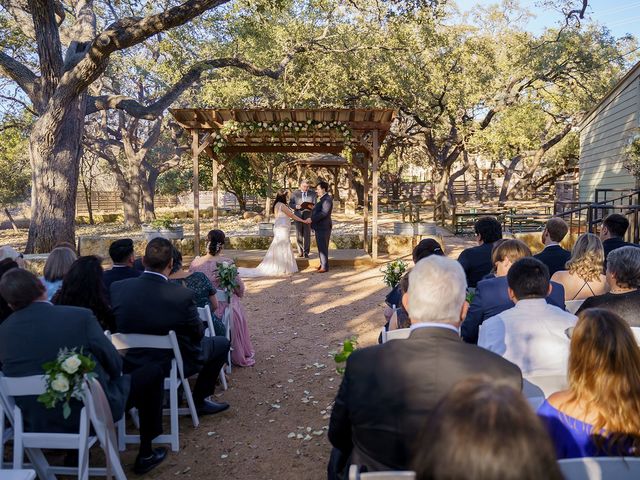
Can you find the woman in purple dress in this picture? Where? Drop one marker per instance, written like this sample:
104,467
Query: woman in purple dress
598,414
242,351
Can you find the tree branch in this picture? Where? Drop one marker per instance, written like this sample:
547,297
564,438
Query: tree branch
22,75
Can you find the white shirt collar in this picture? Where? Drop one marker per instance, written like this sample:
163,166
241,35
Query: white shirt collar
552,244
415,326
119,265
156,273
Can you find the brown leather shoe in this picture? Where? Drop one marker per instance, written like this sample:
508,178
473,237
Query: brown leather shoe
322,270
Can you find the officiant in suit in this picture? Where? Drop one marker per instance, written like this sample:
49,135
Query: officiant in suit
297,203
321,224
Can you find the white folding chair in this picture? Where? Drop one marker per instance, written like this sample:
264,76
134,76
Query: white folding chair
223,296
17,474
205,316
354,474
600,468
81,441
572,306
125,341
399,334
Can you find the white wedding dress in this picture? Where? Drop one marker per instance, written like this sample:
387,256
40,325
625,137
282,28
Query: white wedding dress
279,259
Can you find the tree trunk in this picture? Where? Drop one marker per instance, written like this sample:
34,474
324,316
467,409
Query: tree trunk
441,209
55,149
87,198
11,220
508,173
148,185
130,196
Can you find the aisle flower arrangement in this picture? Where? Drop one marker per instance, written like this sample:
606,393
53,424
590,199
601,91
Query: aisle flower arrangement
348,347
227,276
274,129
393,272
65,378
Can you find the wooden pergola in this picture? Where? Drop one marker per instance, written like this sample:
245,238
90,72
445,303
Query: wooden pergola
325,130
333,163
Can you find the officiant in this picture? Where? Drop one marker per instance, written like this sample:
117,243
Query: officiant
302,202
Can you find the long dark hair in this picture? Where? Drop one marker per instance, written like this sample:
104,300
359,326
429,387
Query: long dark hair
82,286
215,239
6,265
281,197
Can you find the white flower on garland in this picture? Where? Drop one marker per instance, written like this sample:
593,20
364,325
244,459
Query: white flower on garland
71,364
60,383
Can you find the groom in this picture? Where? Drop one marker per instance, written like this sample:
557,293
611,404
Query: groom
321,224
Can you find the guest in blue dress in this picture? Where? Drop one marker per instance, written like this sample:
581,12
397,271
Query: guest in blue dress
56,267
598,414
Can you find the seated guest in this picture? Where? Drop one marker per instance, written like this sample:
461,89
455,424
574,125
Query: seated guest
598,414
389,390
204,292
583,277
122,256
242,351
151,305
484,431
614,227
6,265
7,252
492,295
623,276
83,287
531,334
56,267
426,247
54,327
401,318
553,255
476,261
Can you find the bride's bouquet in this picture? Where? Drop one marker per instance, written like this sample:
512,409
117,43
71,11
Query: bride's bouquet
227,276
393,272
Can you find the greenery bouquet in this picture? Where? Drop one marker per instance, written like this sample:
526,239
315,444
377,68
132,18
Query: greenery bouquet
227,276
348,347
65,378
393,272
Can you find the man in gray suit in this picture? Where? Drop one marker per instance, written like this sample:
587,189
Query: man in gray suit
303,230
35,333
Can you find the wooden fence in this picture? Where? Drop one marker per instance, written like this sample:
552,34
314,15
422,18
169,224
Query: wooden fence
109,202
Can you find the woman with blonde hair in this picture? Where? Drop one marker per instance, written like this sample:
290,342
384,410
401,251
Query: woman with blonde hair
583,277
492,296
598,414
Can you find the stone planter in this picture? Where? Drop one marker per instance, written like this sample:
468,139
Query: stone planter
265,229
403,228
176,233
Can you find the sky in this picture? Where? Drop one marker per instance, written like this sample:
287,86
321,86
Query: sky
620,16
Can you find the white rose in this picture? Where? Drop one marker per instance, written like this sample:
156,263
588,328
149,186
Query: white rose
60,383
225,264
71,364
396,270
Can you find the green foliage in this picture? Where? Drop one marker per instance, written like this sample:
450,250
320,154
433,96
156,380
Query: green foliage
393,272
348,347
163,223
14,166
227,275
632,154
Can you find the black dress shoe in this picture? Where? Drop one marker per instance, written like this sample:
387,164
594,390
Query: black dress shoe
301,255
306,255
146,464
207,407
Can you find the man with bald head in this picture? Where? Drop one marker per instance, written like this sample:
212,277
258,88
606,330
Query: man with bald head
303,230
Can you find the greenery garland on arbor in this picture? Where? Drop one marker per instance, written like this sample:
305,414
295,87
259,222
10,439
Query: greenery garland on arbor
238,129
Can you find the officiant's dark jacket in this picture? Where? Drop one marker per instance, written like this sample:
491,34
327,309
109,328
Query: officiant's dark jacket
151,305
389,390
296,199
321,214
34,335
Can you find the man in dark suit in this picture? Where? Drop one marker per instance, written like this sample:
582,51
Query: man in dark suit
122,256
303,230
476,261
553,255
614,227
321,224
35,333
491,298
389,390
151,305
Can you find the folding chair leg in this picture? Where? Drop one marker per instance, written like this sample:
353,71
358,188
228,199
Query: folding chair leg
121,428
223,379
191,404
18,448
83,447
173,407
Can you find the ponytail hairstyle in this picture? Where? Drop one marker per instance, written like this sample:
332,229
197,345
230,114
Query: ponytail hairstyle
215,240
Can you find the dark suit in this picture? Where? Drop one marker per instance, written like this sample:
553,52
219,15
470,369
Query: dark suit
303,230
554,257
614,243
151,305
35,334
321,225
389,390
492,298
117,273
476,262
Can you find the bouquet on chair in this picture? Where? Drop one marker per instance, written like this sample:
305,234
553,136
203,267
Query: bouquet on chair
227,276
65,378
393,272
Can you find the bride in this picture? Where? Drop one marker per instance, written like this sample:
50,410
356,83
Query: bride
279,259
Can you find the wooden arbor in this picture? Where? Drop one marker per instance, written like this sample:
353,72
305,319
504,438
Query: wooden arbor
333,163
286,130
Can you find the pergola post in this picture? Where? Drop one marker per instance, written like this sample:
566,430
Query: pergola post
195,151
214,187
374,193
365,211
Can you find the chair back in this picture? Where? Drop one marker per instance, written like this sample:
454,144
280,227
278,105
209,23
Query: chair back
23,386
399,334
354,474
205,315
547,384
222,295
125,341
600,468
572,306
